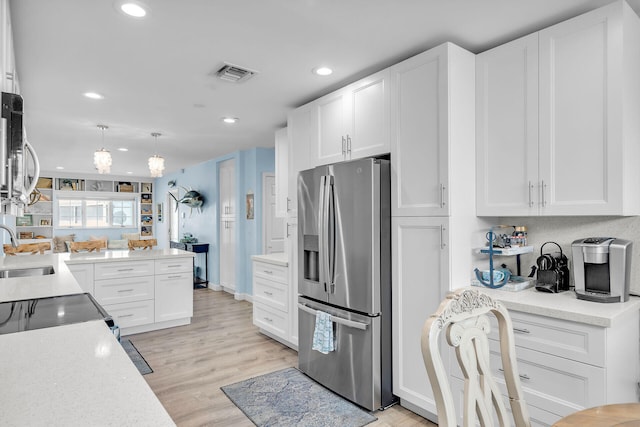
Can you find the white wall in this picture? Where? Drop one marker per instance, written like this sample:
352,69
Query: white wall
564,230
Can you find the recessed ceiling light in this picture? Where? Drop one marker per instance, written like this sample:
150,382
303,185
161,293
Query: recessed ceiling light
230,120
133,8
60,167
93,95
322,71
123,149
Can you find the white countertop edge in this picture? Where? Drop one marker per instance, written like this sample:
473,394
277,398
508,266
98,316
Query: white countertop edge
278,258
73,375
124,255
564,305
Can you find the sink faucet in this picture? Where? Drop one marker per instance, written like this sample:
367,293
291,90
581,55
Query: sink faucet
12,234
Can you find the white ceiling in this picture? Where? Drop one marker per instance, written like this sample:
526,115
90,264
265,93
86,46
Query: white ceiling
157,73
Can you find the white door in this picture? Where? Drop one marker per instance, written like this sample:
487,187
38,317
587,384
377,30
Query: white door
420,261
507,129
228,254
581,91
420,135
172,216
272,225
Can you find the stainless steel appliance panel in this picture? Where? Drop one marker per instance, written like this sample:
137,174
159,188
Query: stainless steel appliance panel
353,370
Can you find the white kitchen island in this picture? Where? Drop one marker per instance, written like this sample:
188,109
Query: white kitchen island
77,374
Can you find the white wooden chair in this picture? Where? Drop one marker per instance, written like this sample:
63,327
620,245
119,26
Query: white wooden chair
463,315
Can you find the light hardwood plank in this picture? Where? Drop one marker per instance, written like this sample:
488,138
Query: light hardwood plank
221,346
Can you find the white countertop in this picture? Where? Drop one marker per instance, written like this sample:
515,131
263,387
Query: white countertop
73,375
564,306
278,258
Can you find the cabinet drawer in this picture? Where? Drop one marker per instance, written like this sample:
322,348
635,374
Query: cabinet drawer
114,291
570,340
131,313
271,293
271,271
112,270
558,385
538,417
271,320
164,266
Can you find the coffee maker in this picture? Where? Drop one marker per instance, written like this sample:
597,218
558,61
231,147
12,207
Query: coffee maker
601,268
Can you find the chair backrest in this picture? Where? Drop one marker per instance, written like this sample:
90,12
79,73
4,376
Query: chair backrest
463,317
142,244
30,248
89,246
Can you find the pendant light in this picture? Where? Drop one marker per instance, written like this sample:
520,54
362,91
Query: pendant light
102,157
156,162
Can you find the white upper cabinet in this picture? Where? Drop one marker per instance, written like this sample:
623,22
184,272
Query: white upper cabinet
573,153
299,140
282,171
432,132
507,129
352,122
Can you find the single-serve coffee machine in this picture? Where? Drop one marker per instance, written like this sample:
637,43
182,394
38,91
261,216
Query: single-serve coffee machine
601,268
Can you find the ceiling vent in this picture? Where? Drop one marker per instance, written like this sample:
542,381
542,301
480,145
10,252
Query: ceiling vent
234,74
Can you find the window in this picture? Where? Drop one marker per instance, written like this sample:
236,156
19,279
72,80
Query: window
97,213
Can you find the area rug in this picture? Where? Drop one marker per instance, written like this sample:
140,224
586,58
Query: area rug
290,398
136,357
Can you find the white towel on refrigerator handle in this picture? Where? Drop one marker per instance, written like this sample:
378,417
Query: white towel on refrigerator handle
323,333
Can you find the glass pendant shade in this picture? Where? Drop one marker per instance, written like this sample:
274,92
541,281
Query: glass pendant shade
156,162
156,166
102,160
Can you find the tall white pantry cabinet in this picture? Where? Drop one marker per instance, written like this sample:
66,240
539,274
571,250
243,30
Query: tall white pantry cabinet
434,226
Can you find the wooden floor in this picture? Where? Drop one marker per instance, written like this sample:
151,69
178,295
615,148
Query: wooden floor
220,347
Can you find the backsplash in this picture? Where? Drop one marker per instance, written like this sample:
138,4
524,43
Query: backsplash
564,230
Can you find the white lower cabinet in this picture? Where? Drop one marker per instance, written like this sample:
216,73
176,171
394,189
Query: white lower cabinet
141,295
173,289
272,309
564,366
83,273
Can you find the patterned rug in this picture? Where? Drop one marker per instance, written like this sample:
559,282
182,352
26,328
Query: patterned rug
136,357
290,398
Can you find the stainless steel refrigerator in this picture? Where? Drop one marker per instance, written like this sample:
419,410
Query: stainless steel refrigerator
344,255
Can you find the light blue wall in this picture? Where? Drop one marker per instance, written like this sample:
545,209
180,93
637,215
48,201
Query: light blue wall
250,165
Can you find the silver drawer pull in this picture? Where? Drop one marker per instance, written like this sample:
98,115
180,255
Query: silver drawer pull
174,277
522,376
171,266
125,269
125,315
521,331
268,271
268,319
125,290
268,293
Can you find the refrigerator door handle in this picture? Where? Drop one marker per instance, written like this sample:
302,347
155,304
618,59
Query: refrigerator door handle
322,244
331,234
336,319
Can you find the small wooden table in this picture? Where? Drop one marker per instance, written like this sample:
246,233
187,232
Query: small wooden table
621,414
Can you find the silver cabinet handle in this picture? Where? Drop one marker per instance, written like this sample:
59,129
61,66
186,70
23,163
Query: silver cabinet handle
530,194
268,271
268,319
521,331
348,144
544,200
125,315
442,195
443,243
125,290
288,201
288,234
125,269
174,277
522,376
268,293
344,147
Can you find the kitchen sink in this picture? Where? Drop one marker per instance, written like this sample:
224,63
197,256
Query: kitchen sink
27,272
